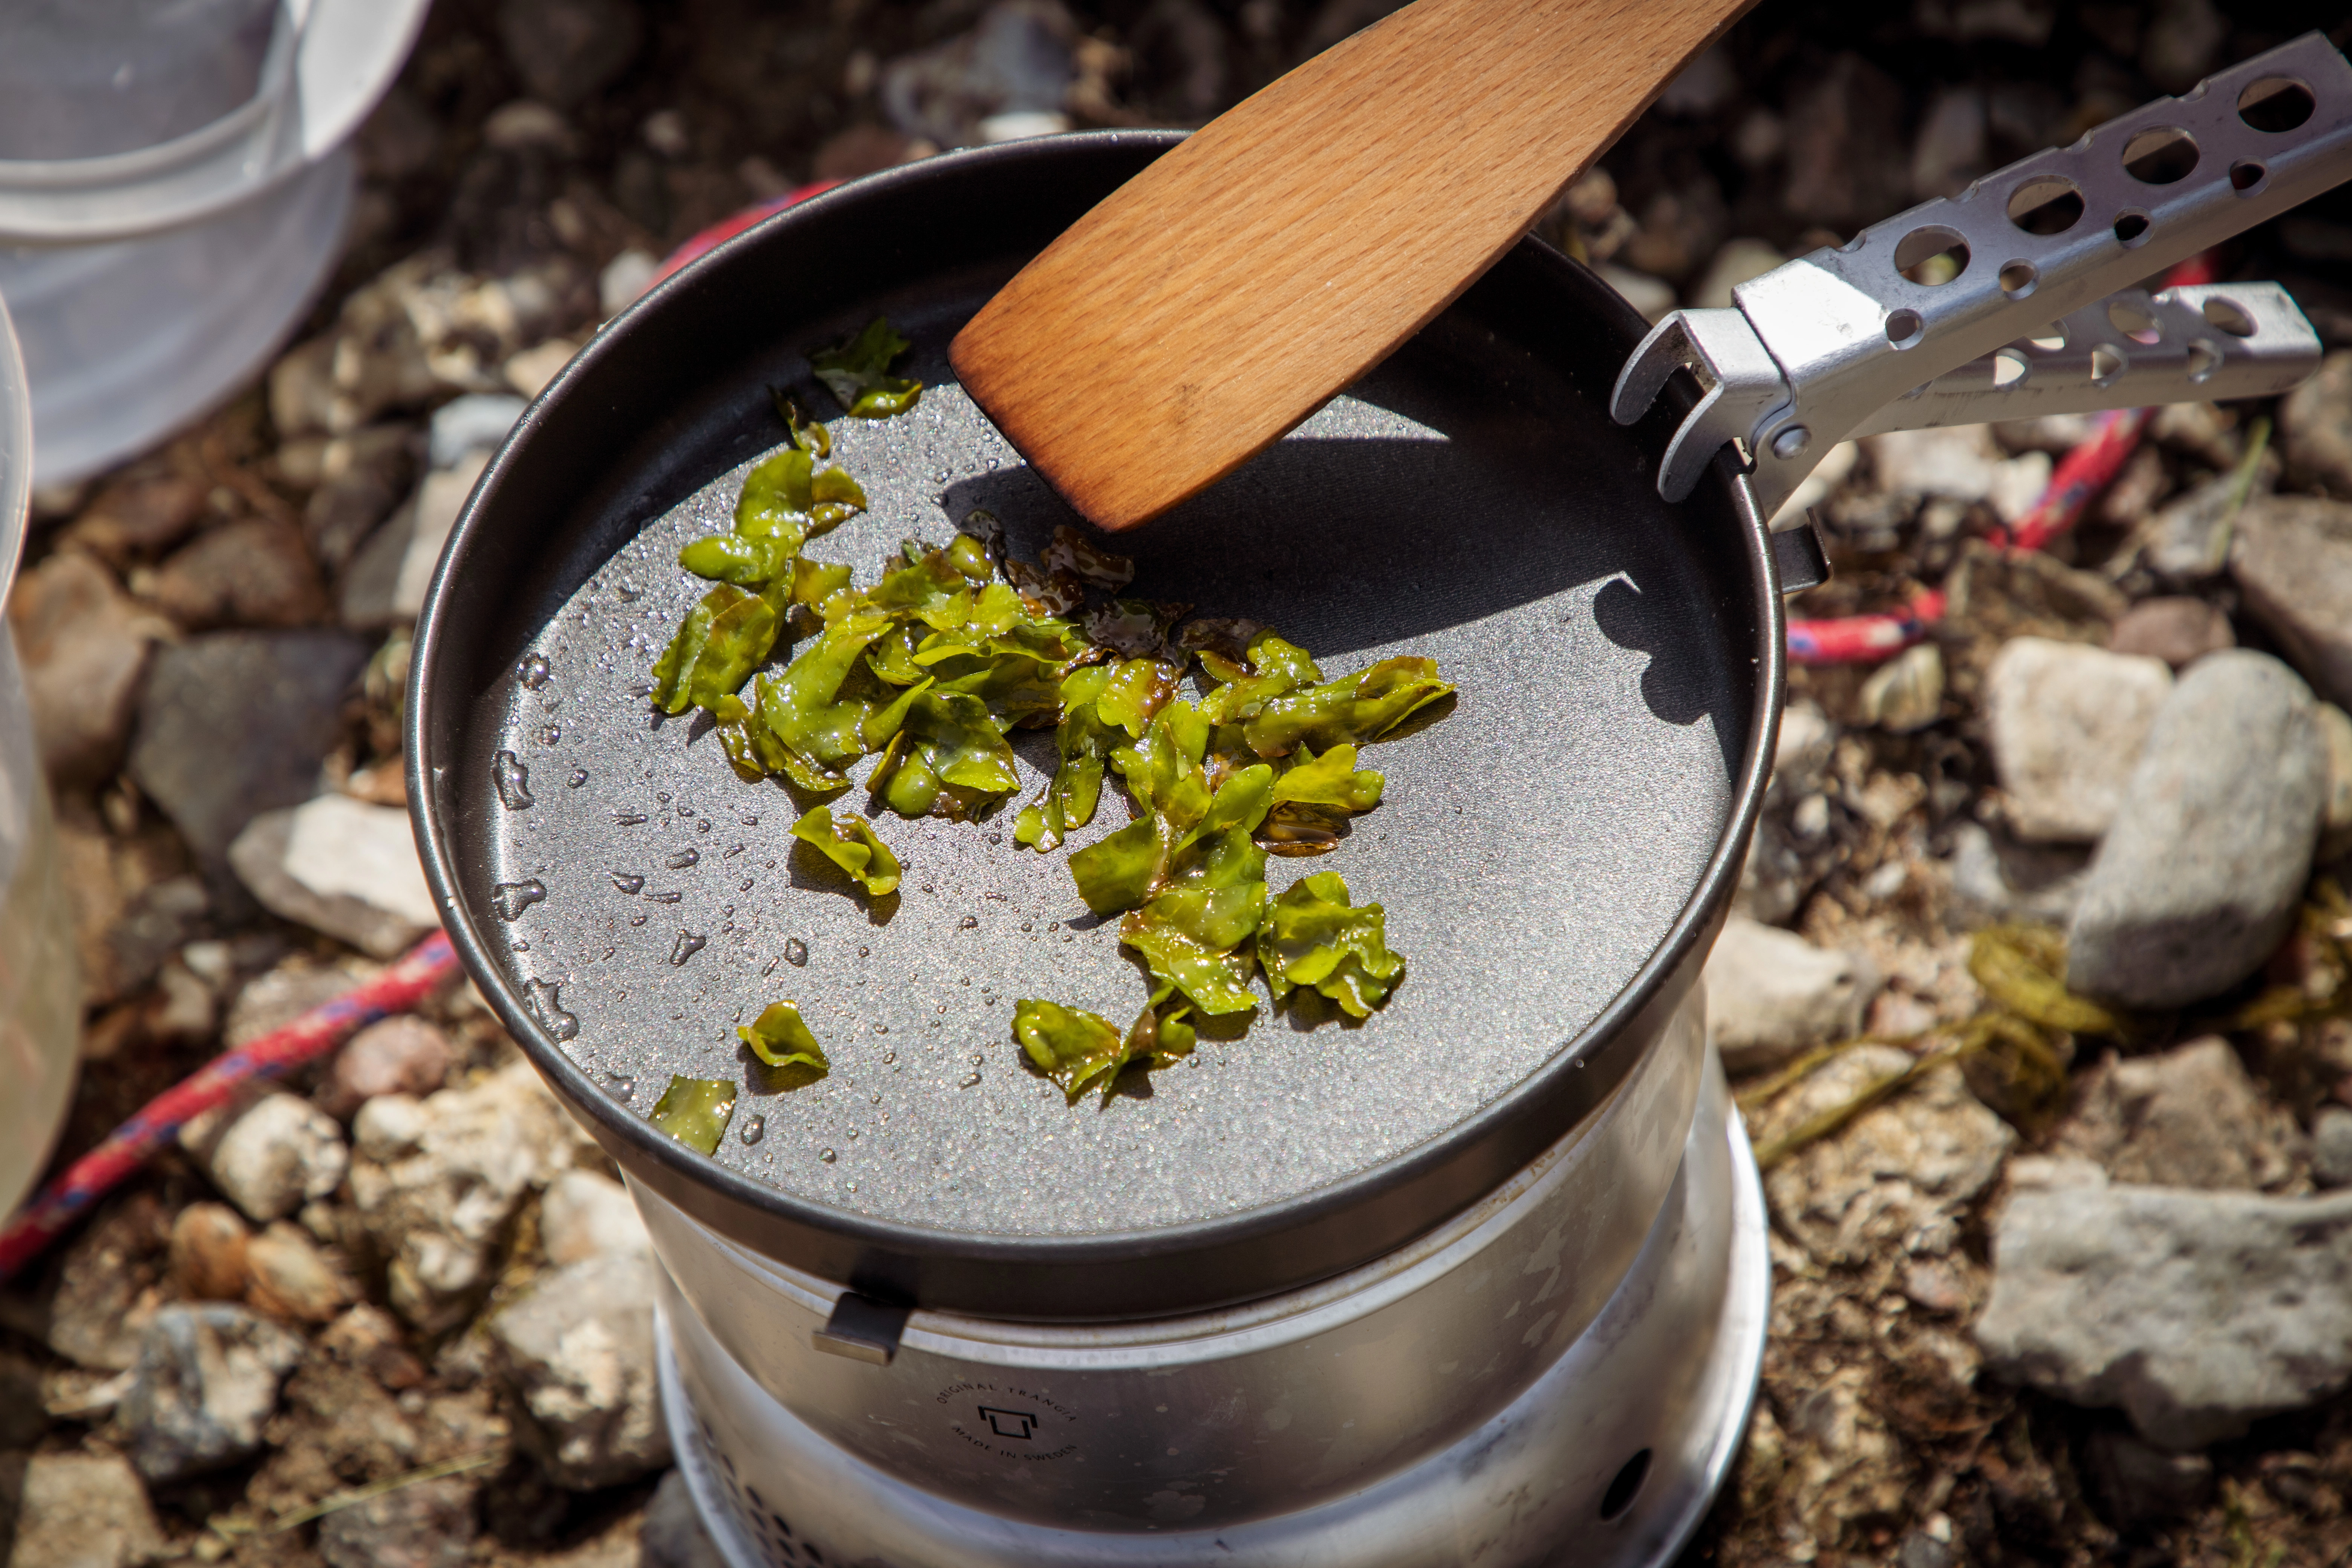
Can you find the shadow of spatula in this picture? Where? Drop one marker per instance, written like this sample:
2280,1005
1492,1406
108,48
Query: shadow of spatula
1227,292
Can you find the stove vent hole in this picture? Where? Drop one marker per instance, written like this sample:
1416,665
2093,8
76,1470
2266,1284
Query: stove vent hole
1626,1486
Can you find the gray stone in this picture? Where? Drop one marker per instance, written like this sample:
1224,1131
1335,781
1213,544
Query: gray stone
438,1180
2177,629
1735,263
285,990
1847,160
674,1535
341,866
2197,881
360,476
1906,692
2140,1485
77,1511
405,1055
428,1525
1896,1177
2331,1146
566,49
1959,462
476,422
83,644
586,1215
1792,846
386,583
111,1285
2067,724
579,1350
1950,149
2186,542
205,1384
1771,994
1016,60
2196,1313
2293,560
2189,1118
2182,40
2336,823
256,571
235,724
2315,425
268,1154
1995,878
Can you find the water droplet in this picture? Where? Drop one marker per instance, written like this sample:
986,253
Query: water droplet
749,821
881,1028
627,883
744,885
996,838
965,980
928,888
968,1081
1055,925
861,952
546,1004
977,1059
664,897
827,1155
943,1007
637,920
628,819
532,671
682,859
643,689
796,952
579,777
686,945
621,1085
662,795
753,1129
877,1097
513,780
890,1056
969,922
547,734
629,594
522,947
512,898
1026,926
683,809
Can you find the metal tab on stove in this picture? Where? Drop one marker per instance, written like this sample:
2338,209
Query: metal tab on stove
1849,333
862,1329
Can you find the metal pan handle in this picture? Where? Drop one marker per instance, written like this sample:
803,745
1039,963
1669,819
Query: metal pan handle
1828,346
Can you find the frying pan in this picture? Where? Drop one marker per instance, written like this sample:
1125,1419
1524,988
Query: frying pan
1554,856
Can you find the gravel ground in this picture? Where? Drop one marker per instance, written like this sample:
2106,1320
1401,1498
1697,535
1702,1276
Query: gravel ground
2036,1001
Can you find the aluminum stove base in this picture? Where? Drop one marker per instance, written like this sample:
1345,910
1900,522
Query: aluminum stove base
1610,1457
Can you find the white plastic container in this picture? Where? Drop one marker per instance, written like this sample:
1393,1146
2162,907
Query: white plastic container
40,992
173,187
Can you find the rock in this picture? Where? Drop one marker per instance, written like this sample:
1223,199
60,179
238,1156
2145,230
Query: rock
392,1056
2315,425
1961,463
108,1292
2293,560
1793,847
579,1350
1996,878
254,572
235,723
2331,1146
276,998
428,1525
587,1216
1950,149
205,1384
625,277
79,1511
477,422
2336,821
529,371
1016,60
1898,1176
2189,1118
2177,630
439,1179
1836,464
208,1252
1679,230
1771,994
1906,692
2137,1485
2182,40
341,866
270,1154
389,575
1650,297
2134,493
141,515
1735,263
291,1279
2002,593
2197,879
2197,1313
83,645
2187,540
674,1535
1845,146
361,477
1702,87
2067,725
566,49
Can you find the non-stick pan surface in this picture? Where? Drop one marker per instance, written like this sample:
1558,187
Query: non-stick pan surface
1551,855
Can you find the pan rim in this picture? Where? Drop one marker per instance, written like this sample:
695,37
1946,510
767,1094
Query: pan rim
1661,979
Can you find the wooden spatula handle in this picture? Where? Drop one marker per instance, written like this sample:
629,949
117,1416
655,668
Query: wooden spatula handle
1230,288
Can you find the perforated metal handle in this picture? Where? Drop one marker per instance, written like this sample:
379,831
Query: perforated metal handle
1823,347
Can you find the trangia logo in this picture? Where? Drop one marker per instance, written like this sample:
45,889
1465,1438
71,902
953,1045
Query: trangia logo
1014,1424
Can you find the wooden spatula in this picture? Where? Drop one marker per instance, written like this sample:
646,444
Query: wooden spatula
1230,290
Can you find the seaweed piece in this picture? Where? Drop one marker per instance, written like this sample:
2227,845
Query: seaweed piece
695,1111
1074,1048
856,372
1361,707
948,758
779,1039
1083,742
1311,937
850,843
